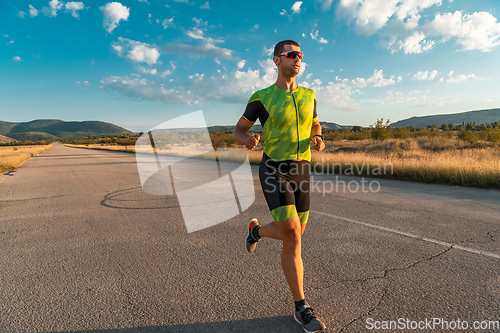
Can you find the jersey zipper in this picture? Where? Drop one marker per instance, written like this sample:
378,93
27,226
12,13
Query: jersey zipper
297,118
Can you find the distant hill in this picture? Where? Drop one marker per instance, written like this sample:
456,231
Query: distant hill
6,127
54,129
34,125
327,125
6,139
478,117
34,136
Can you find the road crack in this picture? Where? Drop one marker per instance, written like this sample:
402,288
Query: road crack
384,293
386,272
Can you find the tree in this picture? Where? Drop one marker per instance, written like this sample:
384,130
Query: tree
356,129
381,131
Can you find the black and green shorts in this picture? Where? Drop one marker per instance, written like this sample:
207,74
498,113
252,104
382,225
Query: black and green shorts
286,187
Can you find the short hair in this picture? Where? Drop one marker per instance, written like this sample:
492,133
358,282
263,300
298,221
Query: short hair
278,49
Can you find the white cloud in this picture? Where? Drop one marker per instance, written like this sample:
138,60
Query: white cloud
423,76
168,23
33,11
16,58
416,43
151,71
478,31
113,13
21,14
391,101
195,33
234,87
283,12
241,64
117,48
370,16
73,7
207,49
54,6
206,5
268,51
137,51
199,22
143,53
165,73
314,36
326,4
377,79
296,7
84,83
462,77
400,78
173,66
333,95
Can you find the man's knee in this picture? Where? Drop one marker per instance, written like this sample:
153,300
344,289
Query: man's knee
291,231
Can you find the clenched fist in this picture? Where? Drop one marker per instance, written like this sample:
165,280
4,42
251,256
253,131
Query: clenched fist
252,141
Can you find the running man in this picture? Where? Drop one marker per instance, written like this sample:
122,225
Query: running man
287,113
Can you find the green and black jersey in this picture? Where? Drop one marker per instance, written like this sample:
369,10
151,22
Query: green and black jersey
286,119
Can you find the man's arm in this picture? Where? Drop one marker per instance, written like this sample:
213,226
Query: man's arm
318,143
240,134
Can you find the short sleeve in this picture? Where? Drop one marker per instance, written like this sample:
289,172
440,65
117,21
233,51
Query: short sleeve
254,109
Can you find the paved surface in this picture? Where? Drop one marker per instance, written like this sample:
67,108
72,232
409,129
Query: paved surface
83,248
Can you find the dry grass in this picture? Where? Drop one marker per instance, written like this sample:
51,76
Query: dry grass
438,160
12,156
429,160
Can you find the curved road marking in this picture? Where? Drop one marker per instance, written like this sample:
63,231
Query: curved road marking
407,234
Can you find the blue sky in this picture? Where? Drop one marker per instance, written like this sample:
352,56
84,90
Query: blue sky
139,63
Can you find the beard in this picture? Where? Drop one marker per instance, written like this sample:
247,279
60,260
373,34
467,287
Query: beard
291,72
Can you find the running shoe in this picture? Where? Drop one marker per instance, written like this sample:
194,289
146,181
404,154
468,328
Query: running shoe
251,242
308,320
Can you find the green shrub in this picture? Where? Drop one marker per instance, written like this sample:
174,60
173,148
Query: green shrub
493,135
381,131
468,135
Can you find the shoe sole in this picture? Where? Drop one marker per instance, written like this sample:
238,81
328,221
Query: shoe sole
305,330
250,250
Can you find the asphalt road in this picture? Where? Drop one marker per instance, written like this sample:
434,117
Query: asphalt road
83,248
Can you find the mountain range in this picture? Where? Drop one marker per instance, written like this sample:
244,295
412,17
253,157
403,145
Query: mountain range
479,117
54,129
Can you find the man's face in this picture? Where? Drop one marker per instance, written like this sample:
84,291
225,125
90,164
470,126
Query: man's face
288,66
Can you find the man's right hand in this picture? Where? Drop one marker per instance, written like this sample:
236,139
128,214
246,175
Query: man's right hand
252,141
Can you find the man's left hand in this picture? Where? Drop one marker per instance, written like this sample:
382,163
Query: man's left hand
318,143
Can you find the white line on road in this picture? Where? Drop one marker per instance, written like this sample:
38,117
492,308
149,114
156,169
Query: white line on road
407,234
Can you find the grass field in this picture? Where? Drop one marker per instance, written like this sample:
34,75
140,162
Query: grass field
438,160
12,156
